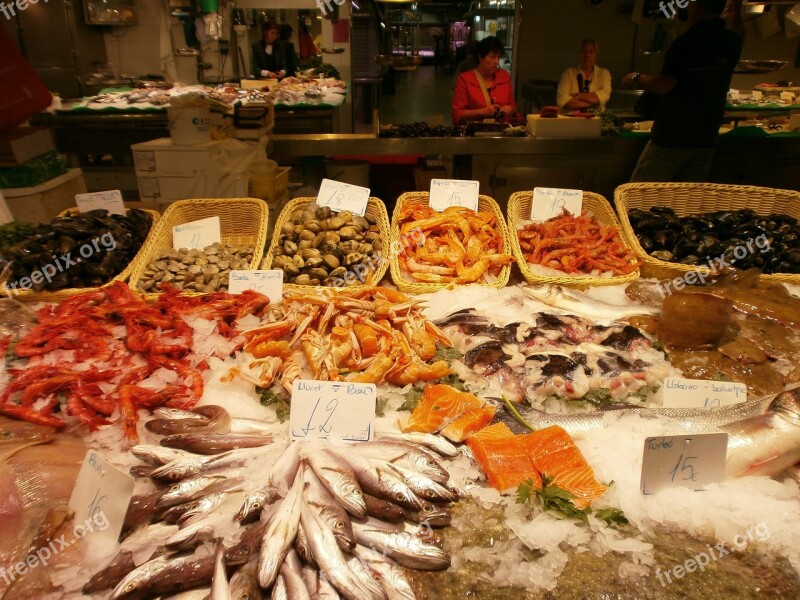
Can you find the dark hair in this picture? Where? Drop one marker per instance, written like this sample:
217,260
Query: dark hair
488,45
713,7
285,31
268,25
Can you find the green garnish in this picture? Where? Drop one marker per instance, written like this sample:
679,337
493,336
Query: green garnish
516,414
413,396
558,500
380,406
279,401
446,354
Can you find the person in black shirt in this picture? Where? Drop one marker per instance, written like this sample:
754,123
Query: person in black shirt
287,46
268,58
691,94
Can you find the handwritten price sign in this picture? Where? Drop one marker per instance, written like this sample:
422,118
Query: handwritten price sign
269,283
326,410
340,196
551,202
197,234
101,494
691,461
445,193
700,393
110,201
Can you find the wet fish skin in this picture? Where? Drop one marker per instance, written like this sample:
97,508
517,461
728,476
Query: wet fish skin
327,555
177,574
280,535
383,509
177,470
248,546
302,548
244,583
279,591
436,443
110,575
578,303
393,581
317,585
141,510
433,514
166,412
404,548
338,477
201,508
413,457
251,426
765,444
691,420
380,481
365,576
191,536
331,512
159,455
216,420
141,471
291,570
190,489
424,487
214,443
220,589
283,473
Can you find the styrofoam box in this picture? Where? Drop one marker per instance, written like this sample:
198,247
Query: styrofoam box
168,189
40,203
569,127
161,158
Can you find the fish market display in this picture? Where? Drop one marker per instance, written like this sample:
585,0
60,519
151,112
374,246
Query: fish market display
108,351
576,245
303,524
83,250
204,271
374,335
770,243
319,247
459,245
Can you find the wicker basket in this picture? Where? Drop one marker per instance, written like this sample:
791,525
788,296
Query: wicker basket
376,209
59,295
243,222
694,198
485,203
519,209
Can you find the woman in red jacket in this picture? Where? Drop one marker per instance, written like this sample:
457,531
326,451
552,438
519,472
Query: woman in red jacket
485,92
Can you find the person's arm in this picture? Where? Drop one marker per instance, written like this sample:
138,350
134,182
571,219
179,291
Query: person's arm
459,107
578,102
655,84
564,89
603,92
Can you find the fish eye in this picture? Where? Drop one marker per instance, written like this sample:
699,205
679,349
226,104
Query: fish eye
130,587
256,504
399,496
339,525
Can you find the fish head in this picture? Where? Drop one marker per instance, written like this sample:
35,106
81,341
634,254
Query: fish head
787,404
136,583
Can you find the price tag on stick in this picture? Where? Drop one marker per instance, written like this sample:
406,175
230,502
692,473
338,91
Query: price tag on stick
197,234
327,410
445,193
110,201
100,500
700,393
343,196
691,461
269,283
551,202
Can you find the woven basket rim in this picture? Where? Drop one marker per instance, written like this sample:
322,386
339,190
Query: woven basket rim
375,206
519,206
405,285
257,222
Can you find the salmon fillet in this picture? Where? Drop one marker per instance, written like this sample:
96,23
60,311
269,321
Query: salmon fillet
440,404
469,422
504,457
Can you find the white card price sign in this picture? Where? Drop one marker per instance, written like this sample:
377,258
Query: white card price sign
691,461
197,234
269,283
100,499
551,202
341,196
700,393
110,201
323,410
445,193
787,96
757,95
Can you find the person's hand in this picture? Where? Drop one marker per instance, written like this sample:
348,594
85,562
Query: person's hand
269,74
490,111
628,80
507,110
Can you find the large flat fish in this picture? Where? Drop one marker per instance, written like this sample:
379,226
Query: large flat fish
578,303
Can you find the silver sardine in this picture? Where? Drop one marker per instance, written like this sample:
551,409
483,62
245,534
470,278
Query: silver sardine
404,548
244,583
380,482
220,589
407,455
338,477
283,474
326,506
393,580
436,443
280,534
291,570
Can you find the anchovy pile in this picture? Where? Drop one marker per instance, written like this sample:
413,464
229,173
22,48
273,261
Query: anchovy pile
326,522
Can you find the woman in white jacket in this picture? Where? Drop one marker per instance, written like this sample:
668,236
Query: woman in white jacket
587,86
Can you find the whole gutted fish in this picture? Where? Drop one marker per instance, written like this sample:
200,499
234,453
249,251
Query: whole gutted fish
383,509
159,455
337,475
327,555
291,570
317,585
381,482
365,576
110,575
220,590
765,444
578,303
244,583
434,515
214,443
406,455
190,489
434,442
214,419
281,477
165,575
424,487
404,548
393,581
280,534
331,512
692,420
191,536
